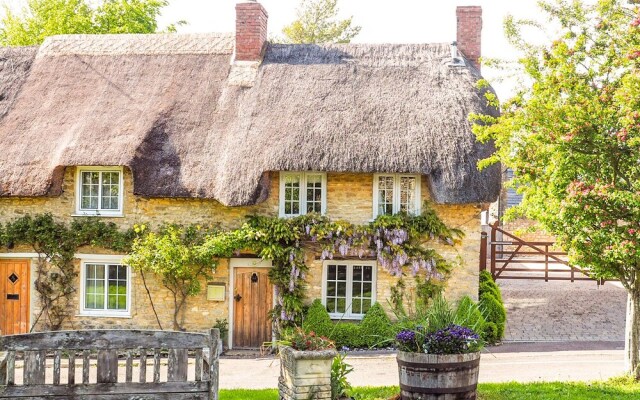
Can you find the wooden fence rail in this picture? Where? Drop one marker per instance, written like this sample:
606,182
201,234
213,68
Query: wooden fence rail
514,258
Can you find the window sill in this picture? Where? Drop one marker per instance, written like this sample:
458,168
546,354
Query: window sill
346,317
103,215
104,315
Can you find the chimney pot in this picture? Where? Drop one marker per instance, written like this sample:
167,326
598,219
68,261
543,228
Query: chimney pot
469,33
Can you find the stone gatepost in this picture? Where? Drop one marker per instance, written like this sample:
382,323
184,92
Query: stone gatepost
305,374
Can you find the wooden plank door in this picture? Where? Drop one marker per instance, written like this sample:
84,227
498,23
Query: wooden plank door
14,296
253,299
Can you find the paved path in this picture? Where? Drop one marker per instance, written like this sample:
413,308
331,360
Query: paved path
539,311
382,370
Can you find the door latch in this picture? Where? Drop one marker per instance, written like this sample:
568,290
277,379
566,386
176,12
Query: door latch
237,297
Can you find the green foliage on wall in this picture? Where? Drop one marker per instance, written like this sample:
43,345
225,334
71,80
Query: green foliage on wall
56,244
492,308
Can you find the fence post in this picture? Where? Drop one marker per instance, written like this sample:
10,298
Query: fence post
493,250
483,251
546,263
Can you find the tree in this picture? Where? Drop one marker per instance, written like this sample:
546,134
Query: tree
572,138
317,23
42,18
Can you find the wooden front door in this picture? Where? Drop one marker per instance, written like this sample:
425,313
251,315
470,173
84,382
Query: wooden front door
253,299
14,296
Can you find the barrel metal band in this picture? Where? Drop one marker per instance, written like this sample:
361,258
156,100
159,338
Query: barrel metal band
439,366
440,390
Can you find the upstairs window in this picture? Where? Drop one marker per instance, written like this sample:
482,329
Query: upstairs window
99,191
394,193
302,193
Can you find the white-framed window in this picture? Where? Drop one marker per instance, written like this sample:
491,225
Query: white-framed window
302,193
105,287
348,288
99,191
393,193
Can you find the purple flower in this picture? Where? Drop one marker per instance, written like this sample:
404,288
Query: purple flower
406,336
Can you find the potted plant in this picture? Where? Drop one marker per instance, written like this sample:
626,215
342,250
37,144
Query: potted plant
438,356
305,366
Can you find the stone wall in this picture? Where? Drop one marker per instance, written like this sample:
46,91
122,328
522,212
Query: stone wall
349,197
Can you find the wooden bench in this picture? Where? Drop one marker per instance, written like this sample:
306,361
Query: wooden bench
110,379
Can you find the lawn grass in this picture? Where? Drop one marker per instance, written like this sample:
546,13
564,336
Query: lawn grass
617,388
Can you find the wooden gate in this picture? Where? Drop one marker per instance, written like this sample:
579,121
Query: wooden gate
513,258
14,296
253,299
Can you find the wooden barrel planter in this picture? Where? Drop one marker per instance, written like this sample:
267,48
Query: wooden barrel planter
438,377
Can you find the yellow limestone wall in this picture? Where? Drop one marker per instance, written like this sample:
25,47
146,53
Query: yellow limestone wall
349,197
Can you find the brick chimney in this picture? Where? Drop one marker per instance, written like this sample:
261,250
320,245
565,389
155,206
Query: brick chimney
469,36
251,30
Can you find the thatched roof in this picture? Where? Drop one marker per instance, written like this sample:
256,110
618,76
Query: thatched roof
163,106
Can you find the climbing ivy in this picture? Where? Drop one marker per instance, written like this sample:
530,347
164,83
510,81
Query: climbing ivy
183,256
397,242
56,244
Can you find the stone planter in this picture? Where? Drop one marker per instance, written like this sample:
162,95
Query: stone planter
305,374
441,377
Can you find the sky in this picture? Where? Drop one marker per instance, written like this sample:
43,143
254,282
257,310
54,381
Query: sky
396,21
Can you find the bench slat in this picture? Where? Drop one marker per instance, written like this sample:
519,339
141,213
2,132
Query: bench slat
11,368
143,365
129,367
34,367
71,379
104,339
133,396
156,365
86,364
107,366
177,368
105,388
56,367
198,365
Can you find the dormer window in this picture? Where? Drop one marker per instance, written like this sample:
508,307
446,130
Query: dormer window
99,191
394,193
302,193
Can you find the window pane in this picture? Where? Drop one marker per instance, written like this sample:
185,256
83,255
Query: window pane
408,194
94,286
331,304
357,272
368,273
366,290
342,272
314,193
110,190
356,306
385,195
366,305
342,289
356,289
89,190
117,297
331,273
292,194
331,288
341,305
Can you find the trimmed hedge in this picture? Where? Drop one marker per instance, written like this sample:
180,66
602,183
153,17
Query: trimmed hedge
372,332
492,308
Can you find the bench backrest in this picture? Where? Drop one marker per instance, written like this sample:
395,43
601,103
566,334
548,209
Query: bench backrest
101,348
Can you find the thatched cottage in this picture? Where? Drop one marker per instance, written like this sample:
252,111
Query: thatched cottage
213,127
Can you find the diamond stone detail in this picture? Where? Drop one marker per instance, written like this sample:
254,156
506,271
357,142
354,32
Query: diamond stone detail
13,278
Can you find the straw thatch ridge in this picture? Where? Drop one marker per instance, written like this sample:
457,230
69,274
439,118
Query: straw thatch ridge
174,119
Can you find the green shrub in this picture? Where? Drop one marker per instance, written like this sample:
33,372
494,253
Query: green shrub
490,333
493,311
468,314
376,327
492,308
347,334
317,319
490,287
